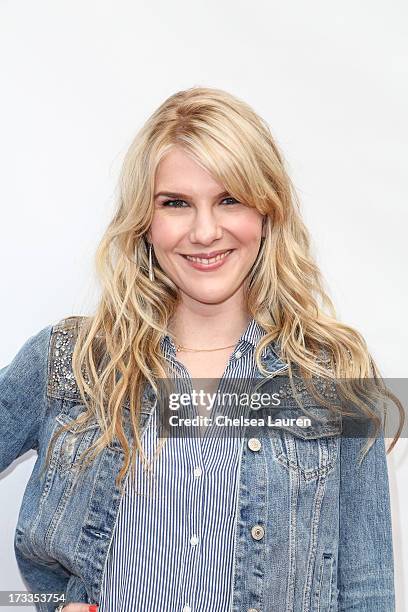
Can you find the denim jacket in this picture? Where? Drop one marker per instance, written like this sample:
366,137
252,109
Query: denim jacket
313,529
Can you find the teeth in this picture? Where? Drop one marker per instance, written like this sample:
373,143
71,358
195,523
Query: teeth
208,261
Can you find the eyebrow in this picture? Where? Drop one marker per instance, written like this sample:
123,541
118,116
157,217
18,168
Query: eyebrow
170,194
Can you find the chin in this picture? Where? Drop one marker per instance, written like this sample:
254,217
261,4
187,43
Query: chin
211,297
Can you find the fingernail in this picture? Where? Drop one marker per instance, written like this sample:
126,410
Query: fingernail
93,608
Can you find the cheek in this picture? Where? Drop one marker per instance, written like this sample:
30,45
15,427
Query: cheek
164,234
248,230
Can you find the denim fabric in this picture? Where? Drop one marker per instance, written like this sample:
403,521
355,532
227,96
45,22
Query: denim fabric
313,531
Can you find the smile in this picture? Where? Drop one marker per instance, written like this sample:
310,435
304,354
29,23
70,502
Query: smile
208,261
202,263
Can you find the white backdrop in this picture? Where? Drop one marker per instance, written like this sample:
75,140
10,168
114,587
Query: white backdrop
78,80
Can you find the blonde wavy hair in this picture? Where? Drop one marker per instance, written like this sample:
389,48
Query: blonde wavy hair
284,289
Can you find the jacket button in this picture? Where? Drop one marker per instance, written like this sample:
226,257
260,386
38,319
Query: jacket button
257,532
254,444
252,610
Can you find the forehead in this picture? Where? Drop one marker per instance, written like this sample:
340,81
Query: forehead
178,171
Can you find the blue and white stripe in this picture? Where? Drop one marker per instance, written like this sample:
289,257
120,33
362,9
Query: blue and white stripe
173,544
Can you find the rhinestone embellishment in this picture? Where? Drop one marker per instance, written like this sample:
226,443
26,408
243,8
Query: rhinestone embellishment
326,389
61,380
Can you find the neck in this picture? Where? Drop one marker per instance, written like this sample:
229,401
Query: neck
207,326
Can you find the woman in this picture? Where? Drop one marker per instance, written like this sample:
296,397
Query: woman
206,274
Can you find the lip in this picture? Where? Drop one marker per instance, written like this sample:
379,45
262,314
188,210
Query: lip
208,267
207,255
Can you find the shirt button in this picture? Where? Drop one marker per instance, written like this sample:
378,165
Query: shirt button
254,444
257,532
194,540
238,354
197,471
186,608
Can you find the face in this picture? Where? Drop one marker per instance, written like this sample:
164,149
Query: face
205,241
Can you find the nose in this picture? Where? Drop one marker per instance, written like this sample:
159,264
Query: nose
205,227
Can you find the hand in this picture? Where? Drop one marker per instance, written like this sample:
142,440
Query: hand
80,607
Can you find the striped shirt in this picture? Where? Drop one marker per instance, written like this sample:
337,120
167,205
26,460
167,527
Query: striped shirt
172,551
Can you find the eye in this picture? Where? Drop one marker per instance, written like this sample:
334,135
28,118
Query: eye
173,203
233,202
179,203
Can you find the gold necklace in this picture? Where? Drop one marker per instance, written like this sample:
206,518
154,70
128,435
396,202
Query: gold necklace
183,348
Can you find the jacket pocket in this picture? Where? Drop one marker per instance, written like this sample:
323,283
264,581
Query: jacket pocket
324,592
312,454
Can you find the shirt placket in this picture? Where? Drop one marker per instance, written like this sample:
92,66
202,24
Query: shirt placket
193,523
199,452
